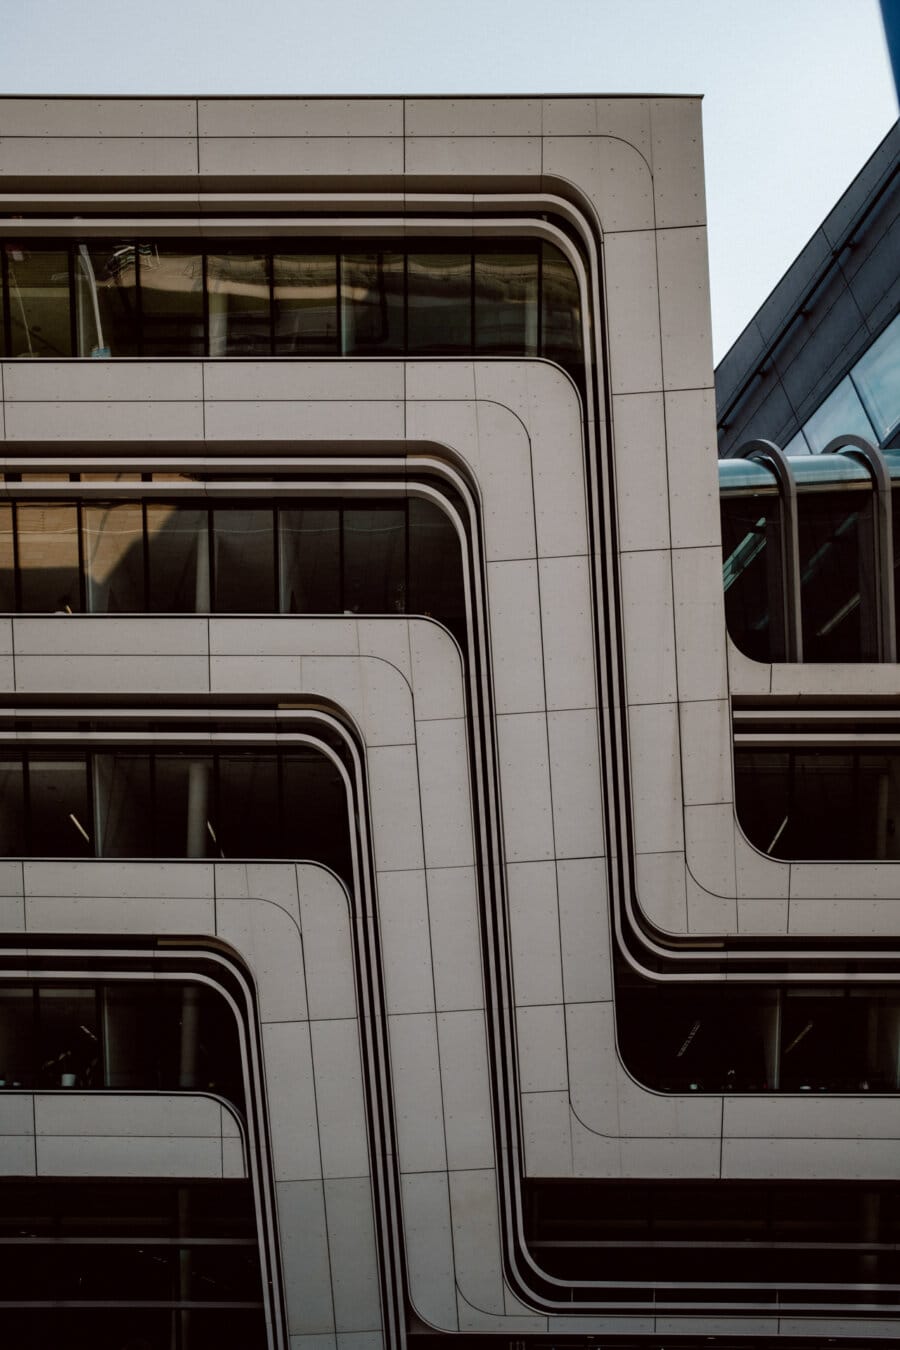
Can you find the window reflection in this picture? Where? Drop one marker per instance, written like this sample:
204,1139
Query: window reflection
560,310
753,575
172,322
178,558
372,286
440,302
49,570
506,303
837,576
7,560
244,552
842,412
161,298
310,541
114,558
877,378
384,557
37,294
106,321
239,314
305,304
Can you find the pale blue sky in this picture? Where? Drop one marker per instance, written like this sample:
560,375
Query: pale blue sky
797,92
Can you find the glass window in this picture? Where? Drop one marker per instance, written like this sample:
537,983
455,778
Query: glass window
821,803
560,309
40,317
372,287
315,811
106,299
48,558
842,412
310,545
375,560
691,1040
114,558
837,576
506,303
439,299
239,311
306,306
124,805
171,300
752,575
60,816
798,445
178,559
435,567
876,376
248,821
762,786
7,560
823,1041
16,1036
12,806
69,1039
141,1035
185,806
244,551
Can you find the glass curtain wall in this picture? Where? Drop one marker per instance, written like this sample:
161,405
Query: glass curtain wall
127,1036
386,557
163,298
819,803
130,1265
174,803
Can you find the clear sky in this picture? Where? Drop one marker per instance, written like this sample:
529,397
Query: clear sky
798,93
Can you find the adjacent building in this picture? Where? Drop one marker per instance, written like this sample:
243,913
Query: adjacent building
421,921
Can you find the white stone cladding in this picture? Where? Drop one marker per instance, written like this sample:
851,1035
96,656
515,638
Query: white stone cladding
599,564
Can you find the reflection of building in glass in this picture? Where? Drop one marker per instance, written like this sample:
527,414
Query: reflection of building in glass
421,920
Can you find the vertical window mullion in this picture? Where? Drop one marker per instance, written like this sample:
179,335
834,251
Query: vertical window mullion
406,301
342,588
6,317
145,543
93,803
270,267
540,300
26,793
138,308
339,326
73,329
17,570
35,1034
276,568
282,823
211,560
406,596
472,303
204,270
82,578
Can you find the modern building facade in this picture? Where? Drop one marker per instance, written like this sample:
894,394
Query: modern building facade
387,957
